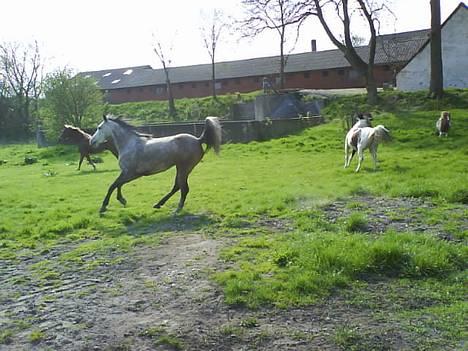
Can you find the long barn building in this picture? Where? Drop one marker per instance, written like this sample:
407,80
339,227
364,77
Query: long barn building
310,70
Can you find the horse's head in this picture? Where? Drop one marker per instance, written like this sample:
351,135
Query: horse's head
103,132
445,115
69,135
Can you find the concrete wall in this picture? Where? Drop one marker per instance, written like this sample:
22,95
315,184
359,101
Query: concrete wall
416,74
238,131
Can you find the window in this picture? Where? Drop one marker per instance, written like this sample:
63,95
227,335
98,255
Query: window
160,90
341,72
256,79
181,86
324,73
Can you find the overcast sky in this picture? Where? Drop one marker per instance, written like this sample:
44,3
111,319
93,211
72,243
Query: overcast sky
100,34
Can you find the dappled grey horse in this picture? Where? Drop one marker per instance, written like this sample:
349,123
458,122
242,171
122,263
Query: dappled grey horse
143,155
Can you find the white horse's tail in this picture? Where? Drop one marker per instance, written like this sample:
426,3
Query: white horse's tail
382,134
211,135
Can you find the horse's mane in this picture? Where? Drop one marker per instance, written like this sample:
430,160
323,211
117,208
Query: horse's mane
74,132
74,129
127,126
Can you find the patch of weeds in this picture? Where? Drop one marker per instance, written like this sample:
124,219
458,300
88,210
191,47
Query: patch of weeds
460,196
350,338
355,205
36,336
250,322
6,337
356,222
161,337
347,338
171,341
231,330
284,258
360,190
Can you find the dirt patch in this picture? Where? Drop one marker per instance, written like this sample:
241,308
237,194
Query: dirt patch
399,214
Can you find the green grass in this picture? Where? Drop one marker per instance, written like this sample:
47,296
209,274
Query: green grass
48,205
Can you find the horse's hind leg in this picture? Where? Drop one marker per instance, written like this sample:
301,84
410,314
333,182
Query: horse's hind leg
184,189
361,158
120,196
373,150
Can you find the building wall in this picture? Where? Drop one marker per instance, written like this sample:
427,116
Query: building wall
321,79
417,73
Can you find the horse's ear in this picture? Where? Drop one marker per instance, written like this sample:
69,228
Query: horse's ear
104,117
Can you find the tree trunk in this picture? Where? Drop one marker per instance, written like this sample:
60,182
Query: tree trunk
213,78
281,85
371,87
436,89
172,109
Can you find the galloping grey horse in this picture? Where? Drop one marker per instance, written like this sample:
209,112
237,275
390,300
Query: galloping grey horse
143,155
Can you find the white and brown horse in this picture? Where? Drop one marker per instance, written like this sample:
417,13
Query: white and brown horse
142,155
363,120
443,123
365,138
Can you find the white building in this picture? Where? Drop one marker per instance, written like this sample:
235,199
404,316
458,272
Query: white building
416,74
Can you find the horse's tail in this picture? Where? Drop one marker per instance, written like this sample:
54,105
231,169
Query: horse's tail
382,133
211,135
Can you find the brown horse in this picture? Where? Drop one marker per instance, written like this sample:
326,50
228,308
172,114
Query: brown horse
75,136
143,155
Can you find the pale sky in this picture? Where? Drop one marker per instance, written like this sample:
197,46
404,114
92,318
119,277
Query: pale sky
90,35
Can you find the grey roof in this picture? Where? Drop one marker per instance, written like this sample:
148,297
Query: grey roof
391,48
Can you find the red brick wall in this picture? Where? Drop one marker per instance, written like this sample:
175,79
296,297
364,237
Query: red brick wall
323,79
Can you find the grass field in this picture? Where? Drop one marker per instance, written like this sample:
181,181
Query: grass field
300,256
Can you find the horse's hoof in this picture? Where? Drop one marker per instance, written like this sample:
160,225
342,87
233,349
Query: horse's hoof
102,210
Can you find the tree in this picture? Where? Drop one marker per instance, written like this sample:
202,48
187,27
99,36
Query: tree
71,99
210,35
276,15
370,11
158,50
21,68
436,89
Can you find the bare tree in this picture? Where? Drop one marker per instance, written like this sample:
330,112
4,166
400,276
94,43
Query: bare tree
21,68
165,62
276,15
436,89
370,11
210,35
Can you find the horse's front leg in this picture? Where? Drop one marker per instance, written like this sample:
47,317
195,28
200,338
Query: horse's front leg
91,161
121,180
81,161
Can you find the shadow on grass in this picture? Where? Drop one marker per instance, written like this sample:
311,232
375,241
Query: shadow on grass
184,222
